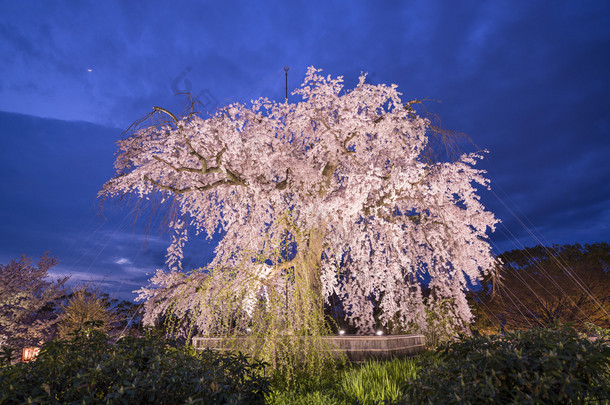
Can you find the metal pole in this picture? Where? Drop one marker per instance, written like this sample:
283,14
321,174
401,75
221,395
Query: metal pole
286,68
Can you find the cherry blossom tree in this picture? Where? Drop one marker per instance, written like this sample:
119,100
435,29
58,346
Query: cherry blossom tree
28,301
335,194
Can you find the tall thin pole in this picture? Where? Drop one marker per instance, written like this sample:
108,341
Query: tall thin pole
286,68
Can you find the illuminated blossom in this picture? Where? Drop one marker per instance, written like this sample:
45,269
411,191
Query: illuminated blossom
338,187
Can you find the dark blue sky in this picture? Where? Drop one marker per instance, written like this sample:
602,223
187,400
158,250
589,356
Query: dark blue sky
528,80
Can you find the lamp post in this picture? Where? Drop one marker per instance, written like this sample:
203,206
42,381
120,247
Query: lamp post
286,68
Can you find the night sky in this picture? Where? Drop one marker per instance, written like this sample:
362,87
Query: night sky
527,80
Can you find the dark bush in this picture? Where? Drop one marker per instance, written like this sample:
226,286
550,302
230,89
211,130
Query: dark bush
539,366
88,369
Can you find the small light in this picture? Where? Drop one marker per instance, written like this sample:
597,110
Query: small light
379,332
248,330
342,332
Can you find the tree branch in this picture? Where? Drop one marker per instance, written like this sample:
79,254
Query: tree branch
189,189
177,169
157,109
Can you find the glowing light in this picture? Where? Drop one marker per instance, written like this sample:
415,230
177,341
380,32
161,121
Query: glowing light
89,70
379,332
342,332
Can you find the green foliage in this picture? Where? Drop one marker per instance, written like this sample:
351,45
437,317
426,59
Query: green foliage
302,362
376,381
88,369
440,323
551,366
307,389
85,305
596,332
316,397
7,355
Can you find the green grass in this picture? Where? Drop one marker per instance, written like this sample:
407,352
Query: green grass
368,383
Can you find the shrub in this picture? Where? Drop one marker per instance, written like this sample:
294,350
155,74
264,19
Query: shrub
553,365
89,369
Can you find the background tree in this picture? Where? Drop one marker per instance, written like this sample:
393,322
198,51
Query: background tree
87,304
336,194
129,315
544,285
28,308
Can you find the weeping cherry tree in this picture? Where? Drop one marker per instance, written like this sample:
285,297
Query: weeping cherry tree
332,196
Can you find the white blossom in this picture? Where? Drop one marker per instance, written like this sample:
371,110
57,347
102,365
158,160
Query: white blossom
349,167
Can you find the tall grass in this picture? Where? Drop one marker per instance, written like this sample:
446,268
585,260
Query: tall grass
370,383
376,381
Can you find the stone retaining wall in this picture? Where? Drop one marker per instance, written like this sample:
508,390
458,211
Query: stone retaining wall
357,348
